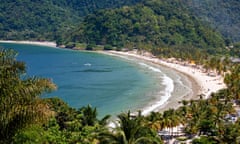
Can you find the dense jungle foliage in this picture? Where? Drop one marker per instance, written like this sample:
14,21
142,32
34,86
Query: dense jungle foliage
222,15
162,27
47,19
51,19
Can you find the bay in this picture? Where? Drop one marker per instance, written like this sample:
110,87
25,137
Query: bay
111,84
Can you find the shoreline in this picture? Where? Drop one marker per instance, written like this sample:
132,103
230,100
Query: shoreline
41,43
188,86
201,82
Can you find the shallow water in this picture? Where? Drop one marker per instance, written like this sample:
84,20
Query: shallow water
111,84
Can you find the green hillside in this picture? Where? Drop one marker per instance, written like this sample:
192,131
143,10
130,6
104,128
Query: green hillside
84,7
150,25
222,15
134,23
26,19
45,19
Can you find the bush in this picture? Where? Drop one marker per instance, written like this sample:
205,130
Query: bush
108,47
204,140
90,47
70,45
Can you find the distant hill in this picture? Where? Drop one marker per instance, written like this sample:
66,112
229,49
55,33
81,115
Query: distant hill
84,7
223,15
45,19
39,19
48,19
148,25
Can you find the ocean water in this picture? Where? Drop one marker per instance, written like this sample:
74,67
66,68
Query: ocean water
111,84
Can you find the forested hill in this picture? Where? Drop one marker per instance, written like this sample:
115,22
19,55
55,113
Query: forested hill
49,19
46,19
84,7
222,15
27,19
150,25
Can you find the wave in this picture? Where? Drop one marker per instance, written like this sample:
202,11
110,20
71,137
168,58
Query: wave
166,93
151,68
94,70
179,81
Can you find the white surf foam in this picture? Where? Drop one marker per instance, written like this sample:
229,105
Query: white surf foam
166,93
151,68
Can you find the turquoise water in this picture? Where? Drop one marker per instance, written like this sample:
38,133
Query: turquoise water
111,84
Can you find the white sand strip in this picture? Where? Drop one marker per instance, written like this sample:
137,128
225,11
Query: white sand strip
42,43
208,84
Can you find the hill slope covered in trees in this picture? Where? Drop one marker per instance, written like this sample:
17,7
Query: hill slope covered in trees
222,15
152,25
50,19
46,19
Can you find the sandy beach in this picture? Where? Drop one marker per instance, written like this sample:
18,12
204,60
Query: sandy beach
41,43
202,82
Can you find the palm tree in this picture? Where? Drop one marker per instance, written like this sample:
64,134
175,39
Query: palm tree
193,116
226,62
232,81
20,104
171,119
131,130
89,116
155,121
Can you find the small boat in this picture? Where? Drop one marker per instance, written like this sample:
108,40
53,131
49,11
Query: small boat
87,64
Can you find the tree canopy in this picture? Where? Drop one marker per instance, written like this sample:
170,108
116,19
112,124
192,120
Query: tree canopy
162,27
221,15
51,19
47,19
20,104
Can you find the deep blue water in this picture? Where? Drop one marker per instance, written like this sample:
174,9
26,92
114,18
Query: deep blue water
111,84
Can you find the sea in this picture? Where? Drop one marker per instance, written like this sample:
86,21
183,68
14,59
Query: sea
112,84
